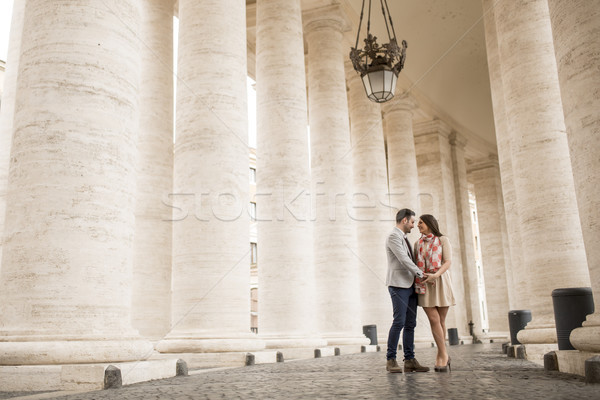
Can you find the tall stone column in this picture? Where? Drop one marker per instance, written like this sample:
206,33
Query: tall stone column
402,162
7,110
403,178
211,252
575,27
151,298
543,177
465,232
436,183
517,281
65,284
485,177
336,267
373,219
285,276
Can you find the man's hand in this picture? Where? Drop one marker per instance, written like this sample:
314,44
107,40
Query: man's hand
428,278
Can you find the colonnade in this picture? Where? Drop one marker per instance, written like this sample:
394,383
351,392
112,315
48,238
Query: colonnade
114,236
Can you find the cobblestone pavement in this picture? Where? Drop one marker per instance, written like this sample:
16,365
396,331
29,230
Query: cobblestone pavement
478,372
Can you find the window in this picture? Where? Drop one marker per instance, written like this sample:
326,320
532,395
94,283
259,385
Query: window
252,175
252,210
253,255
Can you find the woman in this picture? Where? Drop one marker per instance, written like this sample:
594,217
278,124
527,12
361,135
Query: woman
434,256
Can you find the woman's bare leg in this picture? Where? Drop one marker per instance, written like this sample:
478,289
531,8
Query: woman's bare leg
438,335
443,311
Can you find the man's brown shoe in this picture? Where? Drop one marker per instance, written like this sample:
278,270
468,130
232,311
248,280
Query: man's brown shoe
392,366
414,366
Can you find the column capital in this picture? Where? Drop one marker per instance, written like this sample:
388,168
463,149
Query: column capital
458,139
484,163
399,104
435,126
332,16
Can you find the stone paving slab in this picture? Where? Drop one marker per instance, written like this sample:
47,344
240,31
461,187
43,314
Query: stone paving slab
479,371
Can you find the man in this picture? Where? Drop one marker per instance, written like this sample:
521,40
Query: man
400,282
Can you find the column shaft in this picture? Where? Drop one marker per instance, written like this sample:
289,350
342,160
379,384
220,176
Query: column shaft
285,277
465,231
7,110
575,26
336,267
436,183
485,177
65,287
403,179
516,278
544,188
373,220
211,269
402,161
151,297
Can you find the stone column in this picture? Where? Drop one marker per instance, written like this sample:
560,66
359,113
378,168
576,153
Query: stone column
403,179
575,26
373,219
285,276
436,183
65,287
485,177
151,300
402,162
8,104
517,281
336,267
211,252
543,177
465,232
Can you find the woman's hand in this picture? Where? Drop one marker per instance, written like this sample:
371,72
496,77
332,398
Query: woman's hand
431,278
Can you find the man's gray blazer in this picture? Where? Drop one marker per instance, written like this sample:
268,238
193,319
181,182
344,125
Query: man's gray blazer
401,268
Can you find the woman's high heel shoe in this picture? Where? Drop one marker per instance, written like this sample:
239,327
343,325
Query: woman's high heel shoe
445,368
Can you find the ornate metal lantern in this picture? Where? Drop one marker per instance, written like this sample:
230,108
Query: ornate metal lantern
378,66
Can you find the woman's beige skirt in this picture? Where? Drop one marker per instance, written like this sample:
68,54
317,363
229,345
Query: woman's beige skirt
438,295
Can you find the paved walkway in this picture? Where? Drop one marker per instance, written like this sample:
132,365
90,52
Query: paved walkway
478,372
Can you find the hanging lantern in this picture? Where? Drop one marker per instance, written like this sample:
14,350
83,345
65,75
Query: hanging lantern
377,65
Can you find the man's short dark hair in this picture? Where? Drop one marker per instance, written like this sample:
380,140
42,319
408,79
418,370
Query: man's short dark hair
404,213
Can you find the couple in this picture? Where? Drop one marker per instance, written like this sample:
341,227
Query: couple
418,275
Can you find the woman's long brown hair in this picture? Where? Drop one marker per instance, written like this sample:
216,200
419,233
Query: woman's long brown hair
432,224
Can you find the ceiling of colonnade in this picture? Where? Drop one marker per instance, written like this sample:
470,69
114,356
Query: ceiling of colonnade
446,67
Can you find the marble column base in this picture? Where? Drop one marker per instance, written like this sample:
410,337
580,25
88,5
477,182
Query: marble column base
537,335
573,361
289,341
191,344
535,352
81,377
23,351
341,339
587,338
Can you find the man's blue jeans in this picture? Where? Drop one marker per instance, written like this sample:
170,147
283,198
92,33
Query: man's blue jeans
404,301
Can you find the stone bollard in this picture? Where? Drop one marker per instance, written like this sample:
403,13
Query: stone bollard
112,378
337,351
592,370
279,356
181,368
317,353
521,353
505,347
250,359
550,361
511,351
